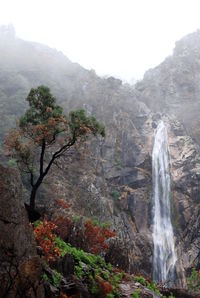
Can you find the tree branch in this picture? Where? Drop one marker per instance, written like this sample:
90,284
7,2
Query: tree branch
42,156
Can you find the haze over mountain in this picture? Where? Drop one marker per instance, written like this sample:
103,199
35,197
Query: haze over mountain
118,38
114,182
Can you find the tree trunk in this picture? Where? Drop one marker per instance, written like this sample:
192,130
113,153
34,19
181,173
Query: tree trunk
32,197
34,191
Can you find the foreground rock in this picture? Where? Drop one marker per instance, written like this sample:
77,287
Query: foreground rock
20,268
179,293
129,289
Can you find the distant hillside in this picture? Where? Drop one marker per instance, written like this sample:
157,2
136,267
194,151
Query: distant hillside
27,64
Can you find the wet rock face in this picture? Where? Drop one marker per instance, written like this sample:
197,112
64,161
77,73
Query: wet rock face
137,203
172,89
184,169
20,268
173,86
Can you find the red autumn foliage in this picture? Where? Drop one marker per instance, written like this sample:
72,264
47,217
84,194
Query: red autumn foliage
62,204
45,236
104,286
96,237
63,224
62,221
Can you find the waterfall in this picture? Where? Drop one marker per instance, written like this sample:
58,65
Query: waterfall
164,257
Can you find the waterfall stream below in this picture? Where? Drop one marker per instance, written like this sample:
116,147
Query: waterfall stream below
164,256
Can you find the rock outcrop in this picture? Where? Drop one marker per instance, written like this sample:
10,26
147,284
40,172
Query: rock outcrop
20,268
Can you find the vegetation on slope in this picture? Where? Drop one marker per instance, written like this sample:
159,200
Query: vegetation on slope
99,278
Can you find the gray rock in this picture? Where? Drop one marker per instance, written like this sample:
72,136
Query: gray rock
20,268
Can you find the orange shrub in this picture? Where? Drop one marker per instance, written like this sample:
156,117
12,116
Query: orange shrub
104,286
96,237
45,236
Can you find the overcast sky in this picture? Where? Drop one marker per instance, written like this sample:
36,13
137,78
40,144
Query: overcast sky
123,38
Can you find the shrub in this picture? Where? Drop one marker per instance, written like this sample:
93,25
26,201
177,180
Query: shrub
96,237
56,278
141,280
101,278
45,277
194,281
136,294
149,284
115,194
152,286
45,236
104,286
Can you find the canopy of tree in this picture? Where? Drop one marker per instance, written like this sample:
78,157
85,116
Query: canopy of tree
44,134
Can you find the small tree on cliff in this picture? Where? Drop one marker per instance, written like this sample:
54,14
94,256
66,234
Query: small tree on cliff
44,135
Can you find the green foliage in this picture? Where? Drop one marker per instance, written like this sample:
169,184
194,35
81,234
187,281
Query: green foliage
194,281
171,296
91,267
118,164
117,278
76,218
106,224
94,288
141,280
44,134
12,163
79,255
109,267
152,286
136,294
97,272
56,278
95,222
78,119
79,270
106,275
42,107
37,223
115,194
45,277
110,295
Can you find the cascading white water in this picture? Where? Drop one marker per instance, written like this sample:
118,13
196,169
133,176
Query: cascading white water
164,257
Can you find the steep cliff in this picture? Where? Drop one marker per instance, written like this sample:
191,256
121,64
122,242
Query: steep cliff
173,86
112,179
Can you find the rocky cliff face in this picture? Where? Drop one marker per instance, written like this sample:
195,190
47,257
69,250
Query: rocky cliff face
112,179
173,86
20,268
